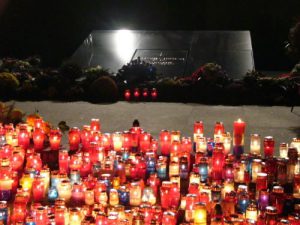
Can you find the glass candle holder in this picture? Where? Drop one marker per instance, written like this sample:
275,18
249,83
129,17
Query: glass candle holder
55,139
201,144
200,214
64,189
74,138
154,94
271,215
23,137
277,198
117,139
255,142
198,130
283,150
251,212
238,137
218,131
165,142
269,145
144,141
95,124
169,218
227,143
135,194
148,196
38,139
261,181
255,168
165,194
191,200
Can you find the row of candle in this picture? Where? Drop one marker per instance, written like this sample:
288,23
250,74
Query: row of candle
104,155
138,94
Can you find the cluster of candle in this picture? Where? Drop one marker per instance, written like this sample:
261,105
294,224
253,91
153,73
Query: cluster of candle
138,94
131,178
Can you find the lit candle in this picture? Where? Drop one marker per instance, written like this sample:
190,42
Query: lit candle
198,130
74,138
218,131
283,150
5,188
203,169
269,145
255,144
263,200
95,125
227,188
227,143
251,212
38,139
165,142
201,144
63,161
135,194
191,200
85,136
144,141
238,137
256,168
23,137
117,141
55,139
127,95
173,169
60,213
261,181
154,94
38,189
75,216
77,195
296,143
113,197
64,189
200,214
175,136
136,93
218,160
89,197
169,218
26,181
145,93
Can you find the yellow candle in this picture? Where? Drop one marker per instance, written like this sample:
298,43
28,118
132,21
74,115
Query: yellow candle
6,184
103,198
296,144
75,217
194,178
201,144
174,169
200,214
135,194
64,189
175,136
228,187
89,197
113,197
251,212
45,174
175,179
117,141
26,181
256,168
283,150
227,143
255,144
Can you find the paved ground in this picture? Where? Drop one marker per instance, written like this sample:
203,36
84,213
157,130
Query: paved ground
276,121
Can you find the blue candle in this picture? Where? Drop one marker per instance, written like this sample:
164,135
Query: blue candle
162,172
124,196
203,170
210,147
75,176
52,194
150,165
243,204
3,212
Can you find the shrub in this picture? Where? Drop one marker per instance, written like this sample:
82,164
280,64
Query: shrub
8,84
103,89
71,70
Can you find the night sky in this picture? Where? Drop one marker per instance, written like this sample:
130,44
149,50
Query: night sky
54,29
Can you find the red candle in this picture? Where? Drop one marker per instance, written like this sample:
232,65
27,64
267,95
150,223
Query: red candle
154,94
63,161
154,182
38,189
269,144
145,93
186,144
77,196
6,151
19,211
23,137
38,139
261,181
74,138
144,141
85,136
127,94
95,125
218,159
175,149
101,219
96,137
219,128
86,167
106,141
59,213
238,132
174,195
38,123
136,93
165,196
169,218
55,139
198,130
165,142
127,140
34,162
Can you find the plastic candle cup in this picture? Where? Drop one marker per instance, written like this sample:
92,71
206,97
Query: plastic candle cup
144,141
63,161
200,214
201,145
23,137
169,218
135,194
263,200
255,144
218,131
38,189
238,137
154,94
127,95
198,130
75,216
55,139
113,197
255,169
95,125
89,197
117,139
5,188
74,138
261,181
251,212
283,150
165,142
227,143
38,139
269,145
64,189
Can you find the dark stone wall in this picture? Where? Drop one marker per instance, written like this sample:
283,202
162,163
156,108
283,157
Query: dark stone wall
55,28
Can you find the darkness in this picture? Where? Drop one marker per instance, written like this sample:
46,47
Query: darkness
53,29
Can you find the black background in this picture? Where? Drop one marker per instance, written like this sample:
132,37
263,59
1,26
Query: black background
55,28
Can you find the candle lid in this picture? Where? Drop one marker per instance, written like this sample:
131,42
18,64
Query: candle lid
269,138
278,189
3,204
271,210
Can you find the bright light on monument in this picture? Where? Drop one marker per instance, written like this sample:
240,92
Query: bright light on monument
124,40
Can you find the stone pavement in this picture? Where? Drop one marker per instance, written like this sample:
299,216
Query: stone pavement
276,121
